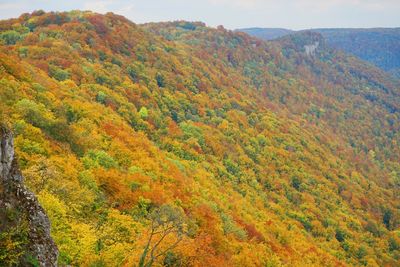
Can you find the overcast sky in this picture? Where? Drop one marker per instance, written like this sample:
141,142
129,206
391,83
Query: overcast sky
292,14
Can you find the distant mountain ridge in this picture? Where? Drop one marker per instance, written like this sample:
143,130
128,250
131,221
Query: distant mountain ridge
267,33
379,46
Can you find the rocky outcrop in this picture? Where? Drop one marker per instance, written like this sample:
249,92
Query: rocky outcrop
16,199
311,48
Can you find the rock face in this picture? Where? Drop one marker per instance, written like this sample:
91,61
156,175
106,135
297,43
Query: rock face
310,49
16,199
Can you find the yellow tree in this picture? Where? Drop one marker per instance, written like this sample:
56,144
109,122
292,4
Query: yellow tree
166,221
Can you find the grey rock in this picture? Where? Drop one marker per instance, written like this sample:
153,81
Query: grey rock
6,152
310,49
16,196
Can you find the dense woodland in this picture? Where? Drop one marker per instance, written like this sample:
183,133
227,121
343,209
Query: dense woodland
176,144
379,46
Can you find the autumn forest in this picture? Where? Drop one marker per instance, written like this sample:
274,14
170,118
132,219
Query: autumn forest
178,144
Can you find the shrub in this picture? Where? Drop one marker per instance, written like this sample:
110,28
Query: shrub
12,244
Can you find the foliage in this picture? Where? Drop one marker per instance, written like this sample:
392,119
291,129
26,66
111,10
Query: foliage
10,37
364,43
165,221
12,245
270,156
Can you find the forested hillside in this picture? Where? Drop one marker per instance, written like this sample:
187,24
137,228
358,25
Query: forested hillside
379,46
176,144
267,33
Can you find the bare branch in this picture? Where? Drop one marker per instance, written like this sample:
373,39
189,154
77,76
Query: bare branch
169,248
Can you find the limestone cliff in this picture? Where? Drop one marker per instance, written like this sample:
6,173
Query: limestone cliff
24,226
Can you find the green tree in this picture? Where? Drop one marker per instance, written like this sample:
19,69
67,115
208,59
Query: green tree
10,37
160,79
393,244
340,235
98,158
58,73
144,113
387,217
296,182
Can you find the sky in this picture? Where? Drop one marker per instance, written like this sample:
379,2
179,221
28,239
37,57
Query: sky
232,14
